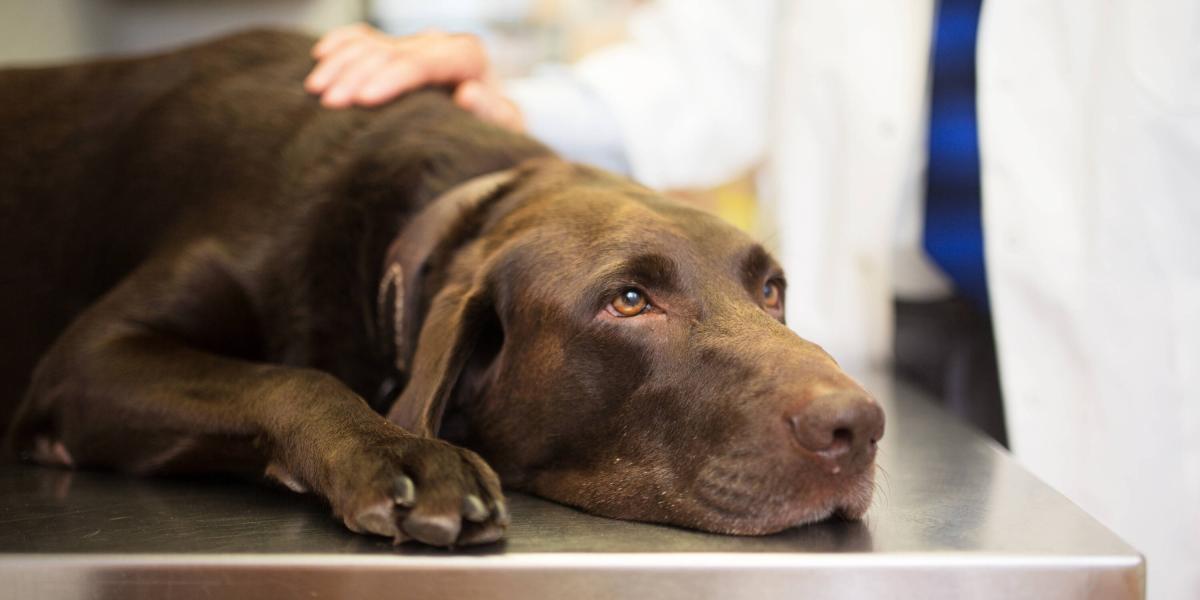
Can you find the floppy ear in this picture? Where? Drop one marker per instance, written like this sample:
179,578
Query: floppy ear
447,339
447,336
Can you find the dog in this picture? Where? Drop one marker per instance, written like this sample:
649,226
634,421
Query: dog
397,309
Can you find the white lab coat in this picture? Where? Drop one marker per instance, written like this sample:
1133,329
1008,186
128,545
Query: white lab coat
709,90
1090,124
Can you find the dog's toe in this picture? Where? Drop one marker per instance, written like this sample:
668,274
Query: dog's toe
435,530
480,533
378,519
420,489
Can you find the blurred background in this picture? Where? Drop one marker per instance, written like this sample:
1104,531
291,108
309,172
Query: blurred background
1100,127
520,34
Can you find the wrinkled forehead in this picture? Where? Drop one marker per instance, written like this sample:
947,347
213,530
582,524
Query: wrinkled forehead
591,224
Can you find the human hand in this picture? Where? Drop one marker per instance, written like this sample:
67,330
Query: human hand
360,65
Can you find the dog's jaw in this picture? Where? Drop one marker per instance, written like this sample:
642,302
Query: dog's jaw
787,498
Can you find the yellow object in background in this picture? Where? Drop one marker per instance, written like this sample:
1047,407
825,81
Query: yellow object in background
736,202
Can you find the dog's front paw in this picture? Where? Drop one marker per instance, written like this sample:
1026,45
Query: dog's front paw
411,488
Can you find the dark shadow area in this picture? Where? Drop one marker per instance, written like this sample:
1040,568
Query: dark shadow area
947,348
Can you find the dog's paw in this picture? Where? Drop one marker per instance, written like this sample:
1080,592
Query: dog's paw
427,490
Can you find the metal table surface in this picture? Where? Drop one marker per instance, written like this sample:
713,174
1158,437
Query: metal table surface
955,517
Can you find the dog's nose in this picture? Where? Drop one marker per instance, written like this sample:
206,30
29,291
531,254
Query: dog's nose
841,427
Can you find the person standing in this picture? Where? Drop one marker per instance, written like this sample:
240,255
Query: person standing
1089,140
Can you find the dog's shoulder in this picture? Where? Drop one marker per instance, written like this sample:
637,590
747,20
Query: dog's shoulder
256,45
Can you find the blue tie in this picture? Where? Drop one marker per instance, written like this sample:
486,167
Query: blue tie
953,228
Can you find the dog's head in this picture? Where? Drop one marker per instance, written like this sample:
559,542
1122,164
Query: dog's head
610,349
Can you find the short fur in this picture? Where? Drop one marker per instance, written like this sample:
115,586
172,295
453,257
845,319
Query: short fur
192,282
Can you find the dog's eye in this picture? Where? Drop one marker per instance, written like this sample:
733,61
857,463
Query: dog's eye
772,295
629,303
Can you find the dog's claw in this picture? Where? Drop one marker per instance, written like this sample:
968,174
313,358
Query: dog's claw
454,506
473,509
405,492
501,513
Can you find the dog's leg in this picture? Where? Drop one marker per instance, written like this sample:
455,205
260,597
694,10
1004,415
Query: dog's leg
125,388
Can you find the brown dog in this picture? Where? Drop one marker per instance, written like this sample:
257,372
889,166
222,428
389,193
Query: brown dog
217,274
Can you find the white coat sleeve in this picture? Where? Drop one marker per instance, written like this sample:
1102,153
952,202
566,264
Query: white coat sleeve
682,103
565,114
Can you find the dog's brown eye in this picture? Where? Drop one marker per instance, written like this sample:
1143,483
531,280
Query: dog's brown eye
629,303
771,294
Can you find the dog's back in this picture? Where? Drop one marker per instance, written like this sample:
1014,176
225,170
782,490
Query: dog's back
108,162
87,191
600,345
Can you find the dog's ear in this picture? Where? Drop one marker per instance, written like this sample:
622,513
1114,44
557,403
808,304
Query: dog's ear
460,312
456,317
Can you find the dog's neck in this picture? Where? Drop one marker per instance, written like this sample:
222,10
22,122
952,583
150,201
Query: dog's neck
405,265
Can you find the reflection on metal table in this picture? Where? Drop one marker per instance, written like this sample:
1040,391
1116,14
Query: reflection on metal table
955,517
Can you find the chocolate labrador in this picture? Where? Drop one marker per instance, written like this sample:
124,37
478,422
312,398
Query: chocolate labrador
396,309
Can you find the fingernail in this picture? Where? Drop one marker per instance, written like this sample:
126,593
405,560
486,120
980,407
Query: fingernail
473,509
405,492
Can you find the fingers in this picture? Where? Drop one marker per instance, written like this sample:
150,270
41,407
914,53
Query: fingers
350,79
329,69
336,38
357,65
390,81
447,57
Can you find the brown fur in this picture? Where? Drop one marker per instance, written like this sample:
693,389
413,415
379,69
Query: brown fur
193,278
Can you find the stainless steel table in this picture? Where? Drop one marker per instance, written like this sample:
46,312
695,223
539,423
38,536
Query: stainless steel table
956,517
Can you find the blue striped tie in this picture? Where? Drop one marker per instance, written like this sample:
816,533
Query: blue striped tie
953,228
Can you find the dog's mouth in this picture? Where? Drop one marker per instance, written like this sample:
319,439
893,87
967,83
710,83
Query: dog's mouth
732,499
735,494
